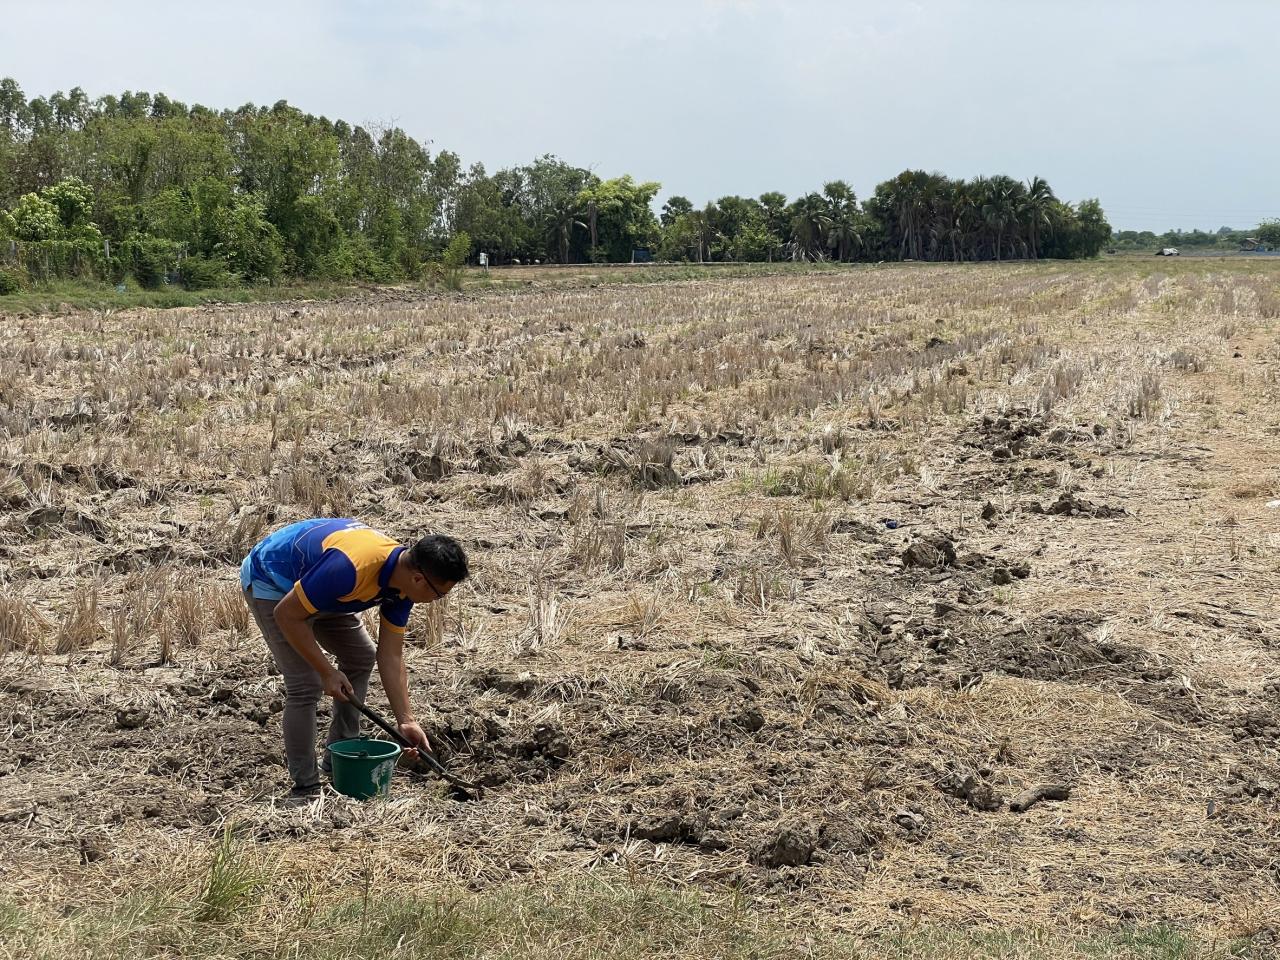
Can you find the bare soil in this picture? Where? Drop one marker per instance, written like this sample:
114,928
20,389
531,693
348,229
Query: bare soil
940,593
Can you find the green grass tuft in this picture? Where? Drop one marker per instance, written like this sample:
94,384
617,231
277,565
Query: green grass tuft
232,884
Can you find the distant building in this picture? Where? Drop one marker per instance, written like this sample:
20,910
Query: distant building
1254,245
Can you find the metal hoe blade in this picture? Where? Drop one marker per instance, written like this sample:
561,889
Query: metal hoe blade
427,757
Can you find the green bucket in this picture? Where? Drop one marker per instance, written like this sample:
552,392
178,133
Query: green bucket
362,768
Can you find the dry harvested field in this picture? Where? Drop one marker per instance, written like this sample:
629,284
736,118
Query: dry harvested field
789,585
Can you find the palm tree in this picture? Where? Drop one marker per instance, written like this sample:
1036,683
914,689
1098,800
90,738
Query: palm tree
935,201
915,192
842,235
945,228
844,238
909,210
999,208
1035,211
700,223
969,216
809,225
1016,199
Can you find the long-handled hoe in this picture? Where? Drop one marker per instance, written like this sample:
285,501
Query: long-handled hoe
462,789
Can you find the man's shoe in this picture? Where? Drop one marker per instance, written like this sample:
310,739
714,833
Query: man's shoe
306,793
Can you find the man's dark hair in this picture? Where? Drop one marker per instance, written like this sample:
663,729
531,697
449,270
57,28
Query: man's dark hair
441,557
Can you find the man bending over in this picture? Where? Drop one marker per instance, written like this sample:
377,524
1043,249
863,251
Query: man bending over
305,585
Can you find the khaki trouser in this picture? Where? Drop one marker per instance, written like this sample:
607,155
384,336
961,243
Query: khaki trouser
344,637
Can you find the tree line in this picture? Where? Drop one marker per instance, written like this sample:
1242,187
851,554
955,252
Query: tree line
1223,240
143,186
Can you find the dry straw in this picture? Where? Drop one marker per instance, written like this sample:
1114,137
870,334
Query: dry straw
778,581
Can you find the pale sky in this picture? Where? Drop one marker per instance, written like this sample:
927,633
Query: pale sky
1166,111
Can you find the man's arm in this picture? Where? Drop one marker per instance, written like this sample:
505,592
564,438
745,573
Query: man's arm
291,618
395,683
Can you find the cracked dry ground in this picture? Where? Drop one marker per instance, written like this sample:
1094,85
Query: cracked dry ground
795,584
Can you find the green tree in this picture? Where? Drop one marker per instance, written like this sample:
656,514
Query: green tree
753,243
488,210
548,203
273,190
730,219
686,238
1079,232
674,207
74,201
35,218
1092,229
15,114
1035,212
620,211
249,243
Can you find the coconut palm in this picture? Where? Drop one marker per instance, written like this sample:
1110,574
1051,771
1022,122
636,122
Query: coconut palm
1000,208
1036,212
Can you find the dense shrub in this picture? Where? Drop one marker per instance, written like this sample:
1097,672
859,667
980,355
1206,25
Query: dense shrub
11,281
249,243
447,272
35,218
353,258
149,259
205,273
82,258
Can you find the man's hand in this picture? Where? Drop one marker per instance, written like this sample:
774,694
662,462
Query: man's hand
338,686
412,732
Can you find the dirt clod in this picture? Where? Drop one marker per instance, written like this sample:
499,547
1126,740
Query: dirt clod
665,828
750,720
131,718
792,845
1069,505
968,786
931,553
1041,792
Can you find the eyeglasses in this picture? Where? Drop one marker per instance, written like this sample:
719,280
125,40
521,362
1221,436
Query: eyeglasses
438,594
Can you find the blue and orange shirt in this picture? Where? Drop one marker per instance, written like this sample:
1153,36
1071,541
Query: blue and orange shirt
334,566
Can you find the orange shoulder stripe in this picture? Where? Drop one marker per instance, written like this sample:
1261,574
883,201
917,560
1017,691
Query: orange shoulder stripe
367,550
